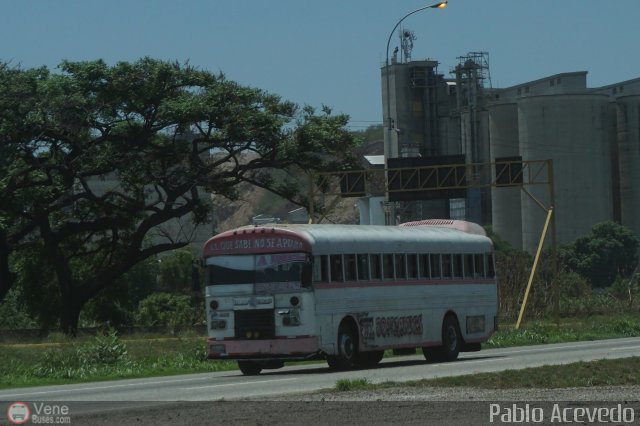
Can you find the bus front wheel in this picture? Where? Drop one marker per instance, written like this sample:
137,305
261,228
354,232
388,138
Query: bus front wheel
249,368
347,349
451,342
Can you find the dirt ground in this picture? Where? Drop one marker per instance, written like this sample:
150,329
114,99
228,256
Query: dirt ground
393,406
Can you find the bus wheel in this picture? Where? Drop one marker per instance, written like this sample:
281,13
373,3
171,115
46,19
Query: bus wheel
451,342
347,349
369,359
249,368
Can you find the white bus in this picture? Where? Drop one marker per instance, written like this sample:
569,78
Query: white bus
346,293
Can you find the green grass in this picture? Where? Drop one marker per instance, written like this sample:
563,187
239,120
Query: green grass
607,372
568,330
60,360
93,359
344,385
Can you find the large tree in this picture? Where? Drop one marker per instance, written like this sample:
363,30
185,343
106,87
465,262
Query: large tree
609,251
164,131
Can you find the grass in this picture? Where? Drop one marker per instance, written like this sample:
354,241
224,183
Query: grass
606,372
59,360
568,330
103,358
344,385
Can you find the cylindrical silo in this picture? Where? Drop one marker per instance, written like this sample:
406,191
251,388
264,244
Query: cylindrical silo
628,124
505,201
572,130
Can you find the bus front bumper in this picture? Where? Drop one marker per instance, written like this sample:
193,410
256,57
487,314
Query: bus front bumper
284,348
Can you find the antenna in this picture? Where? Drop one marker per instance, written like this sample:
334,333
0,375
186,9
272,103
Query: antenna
407,37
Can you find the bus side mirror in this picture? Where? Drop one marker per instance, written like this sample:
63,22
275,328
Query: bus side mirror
306,275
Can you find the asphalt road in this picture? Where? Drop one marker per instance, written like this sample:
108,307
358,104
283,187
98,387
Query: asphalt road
232,385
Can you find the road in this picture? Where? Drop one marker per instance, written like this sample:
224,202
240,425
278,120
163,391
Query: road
232,385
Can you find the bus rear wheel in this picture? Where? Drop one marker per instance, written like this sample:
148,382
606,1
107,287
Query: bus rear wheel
249,368
451,342
347,349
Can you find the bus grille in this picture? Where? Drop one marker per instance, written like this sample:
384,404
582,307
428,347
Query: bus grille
255,324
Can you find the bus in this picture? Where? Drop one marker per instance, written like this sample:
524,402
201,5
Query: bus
347,293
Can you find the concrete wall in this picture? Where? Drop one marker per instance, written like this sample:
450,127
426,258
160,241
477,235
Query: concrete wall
571,130
628,125
505,202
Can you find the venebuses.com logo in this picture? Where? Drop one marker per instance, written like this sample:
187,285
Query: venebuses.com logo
18,413
36,413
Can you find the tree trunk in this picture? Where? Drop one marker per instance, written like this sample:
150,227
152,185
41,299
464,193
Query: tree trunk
70,314
6,278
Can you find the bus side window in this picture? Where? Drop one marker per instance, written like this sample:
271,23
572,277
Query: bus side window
305,278
490,270
468,266
446,266
376,267
387,266
363,267
401,267
412,266
479,265
457,265
425,268
350,267
436,269
320,269
336,268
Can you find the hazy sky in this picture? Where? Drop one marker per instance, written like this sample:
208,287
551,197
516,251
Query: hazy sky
329,52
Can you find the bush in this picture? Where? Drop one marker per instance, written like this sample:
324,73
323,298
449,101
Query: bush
12,311
609,251
103,353
105,349
164,309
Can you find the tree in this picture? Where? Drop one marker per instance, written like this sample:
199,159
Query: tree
609,251
164,130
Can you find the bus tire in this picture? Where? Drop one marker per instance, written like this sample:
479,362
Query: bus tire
249,368
369,359
347,349
451,342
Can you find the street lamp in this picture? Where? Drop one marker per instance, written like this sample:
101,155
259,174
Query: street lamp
387,148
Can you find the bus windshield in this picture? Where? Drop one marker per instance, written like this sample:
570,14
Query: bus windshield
255,268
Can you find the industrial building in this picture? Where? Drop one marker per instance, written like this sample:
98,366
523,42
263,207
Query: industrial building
592,135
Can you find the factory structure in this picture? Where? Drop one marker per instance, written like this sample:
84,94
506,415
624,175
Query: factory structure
592,136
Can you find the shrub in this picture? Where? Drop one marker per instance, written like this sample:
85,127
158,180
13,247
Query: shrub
166,309
104,349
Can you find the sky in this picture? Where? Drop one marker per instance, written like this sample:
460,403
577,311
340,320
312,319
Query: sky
329,52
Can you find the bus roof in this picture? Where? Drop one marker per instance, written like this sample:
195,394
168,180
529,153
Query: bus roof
331,239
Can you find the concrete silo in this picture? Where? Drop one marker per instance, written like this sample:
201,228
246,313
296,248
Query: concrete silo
505,202
628,125
573,130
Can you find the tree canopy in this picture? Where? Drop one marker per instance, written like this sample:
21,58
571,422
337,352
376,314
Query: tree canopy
163,131
609,251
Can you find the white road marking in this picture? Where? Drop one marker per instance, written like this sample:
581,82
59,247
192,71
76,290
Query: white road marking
477,361
238,384
550,348
81,389
625,348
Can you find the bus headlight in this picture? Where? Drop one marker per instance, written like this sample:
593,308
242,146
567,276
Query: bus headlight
290,317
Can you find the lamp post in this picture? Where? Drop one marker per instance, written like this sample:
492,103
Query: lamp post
387,147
